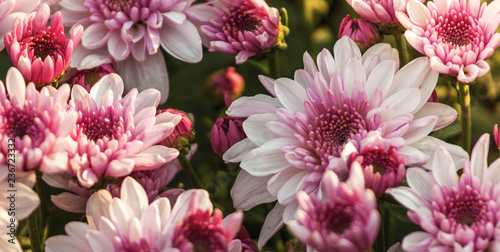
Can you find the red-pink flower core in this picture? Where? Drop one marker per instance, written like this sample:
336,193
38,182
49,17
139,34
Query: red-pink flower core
457,28
45,43
19,123
202,232
242,18
101,124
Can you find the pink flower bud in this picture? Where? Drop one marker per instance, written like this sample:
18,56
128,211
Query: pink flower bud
226,132
364,33
496,135
183,132
88,77
223,82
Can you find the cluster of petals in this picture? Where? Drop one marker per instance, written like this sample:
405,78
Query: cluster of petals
34,125
12,9
130,223
301,130
457,35
344,218
115,136
132,32
379,11
17,205
242,27
460,214
41,53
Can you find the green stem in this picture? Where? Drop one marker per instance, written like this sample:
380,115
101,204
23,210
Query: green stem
274,64
189,171
307,21
401,46
36,246
379,245
464,100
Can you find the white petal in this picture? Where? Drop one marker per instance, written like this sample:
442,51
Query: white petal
181,41
408,198
420,181
443,168
255,128
238,151
291,94
267,159
16,87
133,194
479,157
97,206
249,191
343,50
273,223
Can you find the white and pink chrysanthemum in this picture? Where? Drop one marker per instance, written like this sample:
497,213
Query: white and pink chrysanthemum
379,11
460,214
130,223
41,53
115,136
242,27
457,35
17,203
345,218
299,133
11,10
38,124
132,32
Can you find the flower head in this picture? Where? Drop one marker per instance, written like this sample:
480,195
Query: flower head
364,33
224,82
454,213
115,136
88,77
12,10
183,133
242,27
301,132
457,35
35,124
130,223
41,53
379,12
226,131
344,219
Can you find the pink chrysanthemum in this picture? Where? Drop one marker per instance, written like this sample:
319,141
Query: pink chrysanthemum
364,33
460,214
132,33
457,35
41,53
344,219
242,27
12,10
115,136
301,132
129,223
38,124
377,11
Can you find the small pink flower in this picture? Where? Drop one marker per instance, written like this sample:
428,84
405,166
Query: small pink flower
242,27
226,131
364,33
115,136
379,11
224,82
183,132
457,35
88,77
12,10
41,53
34,124
344,219
130,223
455,213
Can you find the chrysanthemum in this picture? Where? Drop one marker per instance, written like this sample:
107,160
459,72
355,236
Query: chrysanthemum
115,136
38,124
460,214
129,223
377,11
12,10
458,36
344,219
242,27
41,53
132,33
298,134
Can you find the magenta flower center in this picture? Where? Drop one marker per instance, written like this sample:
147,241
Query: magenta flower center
333,129
466,207
242,18
457,27
338,218
383,162
44,44
100,125
204,234
19,123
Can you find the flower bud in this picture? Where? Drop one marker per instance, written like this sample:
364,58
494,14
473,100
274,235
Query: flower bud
223,82
364,33
226,132
88,77
183,133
